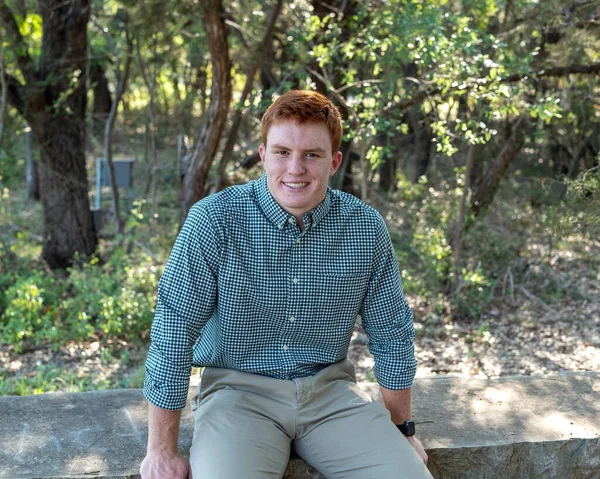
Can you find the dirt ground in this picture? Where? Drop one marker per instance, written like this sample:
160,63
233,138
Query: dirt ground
520,340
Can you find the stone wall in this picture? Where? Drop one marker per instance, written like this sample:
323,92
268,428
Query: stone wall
512,427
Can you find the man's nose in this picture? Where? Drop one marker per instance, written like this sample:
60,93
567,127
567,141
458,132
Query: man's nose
296,165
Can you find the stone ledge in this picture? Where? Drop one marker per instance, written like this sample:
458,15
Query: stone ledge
512,427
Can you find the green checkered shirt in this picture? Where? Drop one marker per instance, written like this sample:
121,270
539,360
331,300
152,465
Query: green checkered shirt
245,289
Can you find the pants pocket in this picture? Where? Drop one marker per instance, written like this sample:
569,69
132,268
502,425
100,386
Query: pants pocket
200,391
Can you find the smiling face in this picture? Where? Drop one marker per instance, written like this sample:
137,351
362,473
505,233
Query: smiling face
298,161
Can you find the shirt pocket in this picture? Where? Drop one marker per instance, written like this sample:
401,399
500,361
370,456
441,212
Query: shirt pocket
340,292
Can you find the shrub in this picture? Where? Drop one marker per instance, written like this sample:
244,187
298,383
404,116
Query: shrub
114,300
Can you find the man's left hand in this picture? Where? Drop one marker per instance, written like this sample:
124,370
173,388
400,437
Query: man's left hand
417,446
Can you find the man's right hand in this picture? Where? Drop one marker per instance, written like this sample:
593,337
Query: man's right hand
165,465
163,460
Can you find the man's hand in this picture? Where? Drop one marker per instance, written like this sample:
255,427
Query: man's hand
417,446
165,465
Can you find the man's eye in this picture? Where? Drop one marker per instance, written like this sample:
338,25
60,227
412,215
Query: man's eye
281,152
312,155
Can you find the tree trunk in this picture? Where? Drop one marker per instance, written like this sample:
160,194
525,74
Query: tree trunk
337,181
491,181
477,167
204,153
460,220
419,125
152,184
387,169
68,225
102,98
3,94
422,151
52,100
576,159
122,78
147,156
58,125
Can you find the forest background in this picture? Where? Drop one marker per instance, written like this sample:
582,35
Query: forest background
473,126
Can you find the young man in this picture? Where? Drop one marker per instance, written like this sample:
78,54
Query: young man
262,289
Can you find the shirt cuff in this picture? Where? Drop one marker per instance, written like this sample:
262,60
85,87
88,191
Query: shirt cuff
171,396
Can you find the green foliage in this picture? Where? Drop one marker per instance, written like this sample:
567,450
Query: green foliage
112,300
28,317
424,251
580,211
49,378
472,296
30,27
426,254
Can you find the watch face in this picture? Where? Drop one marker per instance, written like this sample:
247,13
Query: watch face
408,428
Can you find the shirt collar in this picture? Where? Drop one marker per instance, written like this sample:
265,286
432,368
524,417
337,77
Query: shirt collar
281,218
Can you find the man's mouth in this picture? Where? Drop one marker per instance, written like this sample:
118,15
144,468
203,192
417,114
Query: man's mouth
296,186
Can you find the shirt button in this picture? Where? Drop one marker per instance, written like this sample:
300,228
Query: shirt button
291,221
285,347
295,280
292,319
297,241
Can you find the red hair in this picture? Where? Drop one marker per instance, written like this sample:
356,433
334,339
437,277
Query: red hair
305,106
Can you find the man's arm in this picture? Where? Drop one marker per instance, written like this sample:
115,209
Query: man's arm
186,301
162,457
398,403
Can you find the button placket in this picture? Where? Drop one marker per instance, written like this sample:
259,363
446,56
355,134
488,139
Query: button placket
289,329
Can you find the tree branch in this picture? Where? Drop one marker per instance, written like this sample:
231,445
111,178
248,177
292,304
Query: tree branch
122,77
594,68
236,28
7,20
554,72
336,94
489,184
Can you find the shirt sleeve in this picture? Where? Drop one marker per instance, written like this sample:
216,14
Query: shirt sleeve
187,294
387,318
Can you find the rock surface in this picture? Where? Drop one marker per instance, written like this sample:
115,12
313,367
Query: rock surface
512,427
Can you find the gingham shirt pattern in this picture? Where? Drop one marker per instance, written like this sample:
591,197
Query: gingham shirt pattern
245,289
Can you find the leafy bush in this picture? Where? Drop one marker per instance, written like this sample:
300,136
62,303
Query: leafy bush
29,315
114,300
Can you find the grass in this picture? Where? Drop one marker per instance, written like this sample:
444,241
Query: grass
49,378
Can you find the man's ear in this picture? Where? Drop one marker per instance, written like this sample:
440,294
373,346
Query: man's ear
261,153
336,162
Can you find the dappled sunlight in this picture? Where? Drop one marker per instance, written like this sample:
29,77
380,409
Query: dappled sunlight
558,423
471,412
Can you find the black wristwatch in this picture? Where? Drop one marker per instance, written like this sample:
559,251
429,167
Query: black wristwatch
408,428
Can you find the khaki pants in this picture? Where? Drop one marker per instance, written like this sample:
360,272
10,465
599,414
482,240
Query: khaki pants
246,425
